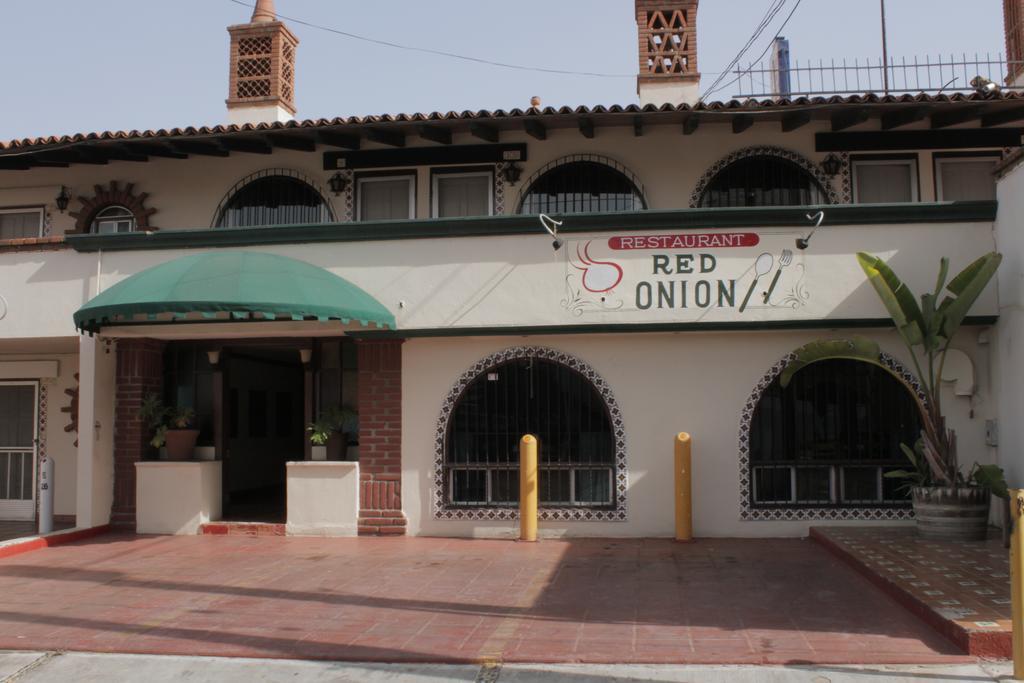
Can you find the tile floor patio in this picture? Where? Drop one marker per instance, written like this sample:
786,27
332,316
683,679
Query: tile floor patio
961,588
447,600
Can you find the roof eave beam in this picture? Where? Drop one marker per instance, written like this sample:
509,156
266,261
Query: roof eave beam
484,132
386,137
252,145
442,136
791,122
335,139
903,117
843,119
292,142
535,129
209,149
690,124
741,123
944,119
1001,117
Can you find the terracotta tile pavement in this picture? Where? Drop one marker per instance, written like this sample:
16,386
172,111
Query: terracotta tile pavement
961,587
448,600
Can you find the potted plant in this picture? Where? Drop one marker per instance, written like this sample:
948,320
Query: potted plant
172,427
329,434
947,502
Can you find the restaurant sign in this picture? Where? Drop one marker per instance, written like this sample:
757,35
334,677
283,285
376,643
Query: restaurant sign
688,274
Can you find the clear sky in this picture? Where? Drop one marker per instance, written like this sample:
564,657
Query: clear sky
89,65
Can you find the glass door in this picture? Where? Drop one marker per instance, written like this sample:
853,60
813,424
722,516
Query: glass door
18,422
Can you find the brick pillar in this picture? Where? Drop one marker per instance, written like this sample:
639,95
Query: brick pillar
379,402
139,373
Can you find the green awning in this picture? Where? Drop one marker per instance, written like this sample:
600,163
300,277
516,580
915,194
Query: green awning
232,286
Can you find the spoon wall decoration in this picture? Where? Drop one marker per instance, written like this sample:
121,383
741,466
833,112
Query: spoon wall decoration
762,267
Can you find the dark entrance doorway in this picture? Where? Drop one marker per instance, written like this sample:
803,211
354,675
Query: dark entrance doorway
265,408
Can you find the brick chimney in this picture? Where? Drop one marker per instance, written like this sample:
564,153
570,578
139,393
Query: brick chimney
1013,24
667,32
261,85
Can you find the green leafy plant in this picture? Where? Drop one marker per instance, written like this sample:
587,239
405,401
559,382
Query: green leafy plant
927,330
160,418
333,420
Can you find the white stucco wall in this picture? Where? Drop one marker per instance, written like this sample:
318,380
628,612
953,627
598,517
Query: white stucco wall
1009,332
176,497
664,384
323,498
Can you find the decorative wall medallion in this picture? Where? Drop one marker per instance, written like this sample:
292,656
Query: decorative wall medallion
748,512
114,195
798,159
71,410
575,514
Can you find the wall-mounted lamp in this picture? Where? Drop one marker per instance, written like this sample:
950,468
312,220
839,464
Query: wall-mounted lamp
832,165
63,199
305,355
214,357
511,173
338,183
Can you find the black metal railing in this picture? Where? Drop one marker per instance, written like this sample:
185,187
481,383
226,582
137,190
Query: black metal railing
940,74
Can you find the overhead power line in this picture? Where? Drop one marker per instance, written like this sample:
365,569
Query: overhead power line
744,72
773,9
442,53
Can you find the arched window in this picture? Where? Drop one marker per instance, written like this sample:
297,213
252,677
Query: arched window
828,438
274,197
582,184
539,396
763,180
113,219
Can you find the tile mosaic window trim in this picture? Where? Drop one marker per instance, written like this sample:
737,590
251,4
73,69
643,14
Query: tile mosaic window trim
764,150
750,513
443,511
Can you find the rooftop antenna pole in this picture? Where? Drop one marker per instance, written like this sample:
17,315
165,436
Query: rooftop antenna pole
885,52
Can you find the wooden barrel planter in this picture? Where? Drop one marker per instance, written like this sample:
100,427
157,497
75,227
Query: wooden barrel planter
959,514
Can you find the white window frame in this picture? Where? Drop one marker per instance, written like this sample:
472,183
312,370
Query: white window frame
16,509
41,210
940,160
435,193
914,177
409,178
98,219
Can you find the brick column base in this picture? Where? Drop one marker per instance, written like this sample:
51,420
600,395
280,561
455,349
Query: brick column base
139,373
379,402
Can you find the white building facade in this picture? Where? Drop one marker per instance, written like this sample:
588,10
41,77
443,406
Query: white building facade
263,274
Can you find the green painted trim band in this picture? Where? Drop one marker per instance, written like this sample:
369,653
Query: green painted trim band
728,326
493,226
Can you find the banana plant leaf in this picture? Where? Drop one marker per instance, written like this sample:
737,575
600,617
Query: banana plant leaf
856,348
967,287
896,297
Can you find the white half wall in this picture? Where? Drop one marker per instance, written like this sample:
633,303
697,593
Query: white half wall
95,490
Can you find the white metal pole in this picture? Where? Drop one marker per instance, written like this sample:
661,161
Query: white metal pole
45,495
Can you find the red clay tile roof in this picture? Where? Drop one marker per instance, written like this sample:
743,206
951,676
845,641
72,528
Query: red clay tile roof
732,106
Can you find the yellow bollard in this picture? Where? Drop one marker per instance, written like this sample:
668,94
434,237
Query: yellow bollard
528,488
1017,580
684,489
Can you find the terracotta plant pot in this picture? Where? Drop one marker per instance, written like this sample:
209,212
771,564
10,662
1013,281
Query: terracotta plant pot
181,443
950,514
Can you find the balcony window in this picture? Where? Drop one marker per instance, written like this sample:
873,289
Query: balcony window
885,180
273,197
384,198
21,223
963,178
112,220
463,194
580,185
763,180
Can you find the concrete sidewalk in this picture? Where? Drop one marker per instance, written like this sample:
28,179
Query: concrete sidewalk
53,667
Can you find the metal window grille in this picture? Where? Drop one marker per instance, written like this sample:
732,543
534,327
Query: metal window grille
530,396
582,184
17,469
830,437
763,180
273,197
